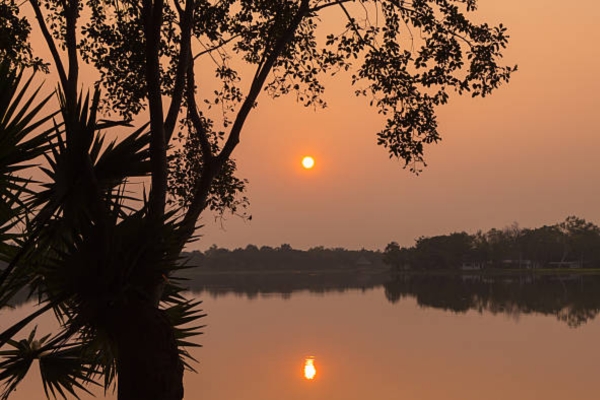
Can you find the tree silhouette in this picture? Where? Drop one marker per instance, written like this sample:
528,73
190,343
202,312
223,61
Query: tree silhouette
574,242
101,254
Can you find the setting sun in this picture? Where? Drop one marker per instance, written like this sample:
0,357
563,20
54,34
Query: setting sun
308,162
309,368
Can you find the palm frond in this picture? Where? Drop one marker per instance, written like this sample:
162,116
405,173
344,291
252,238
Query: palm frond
64,367
126,159
8,334
23,139
84,172
183,315
16,363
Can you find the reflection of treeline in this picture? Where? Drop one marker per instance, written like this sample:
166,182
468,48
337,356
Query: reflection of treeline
574,243
574,299
283,258
283,284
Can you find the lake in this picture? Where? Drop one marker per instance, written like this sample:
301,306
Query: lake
385,343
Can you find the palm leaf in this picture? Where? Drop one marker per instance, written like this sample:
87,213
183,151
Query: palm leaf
5,337
23,139
15,364
64,367
183,315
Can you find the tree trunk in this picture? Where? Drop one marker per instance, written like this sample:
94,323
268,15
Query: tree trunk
148,363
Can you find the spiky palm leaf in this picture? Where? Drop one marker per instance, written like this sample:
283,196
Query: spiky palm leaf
19,119
23,139
16,362
85,173
184,315
63,367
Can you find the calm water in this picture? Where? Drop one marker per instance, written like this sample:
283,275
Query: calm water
366,347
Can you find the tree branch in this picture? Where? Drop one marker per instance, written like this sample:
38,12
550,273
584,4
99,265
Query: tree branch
354,27
441,26
202,190
50,41
71,11
257,83
205,146
327,5
186,17
152,13
217,47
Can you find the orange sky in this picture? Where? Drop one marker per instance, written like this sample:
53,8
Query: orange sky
527,154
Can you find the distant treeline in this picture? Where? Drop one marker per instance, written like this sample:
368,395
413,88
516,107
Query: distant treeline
574,243
283,258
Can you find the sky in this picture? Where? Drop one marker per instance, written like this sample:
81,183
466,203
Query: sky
527,154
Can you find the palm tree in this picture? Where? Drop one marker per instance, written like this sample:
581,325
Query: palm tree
84,245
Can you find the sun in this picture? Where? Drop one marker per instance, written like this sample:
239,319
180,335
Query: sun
308,162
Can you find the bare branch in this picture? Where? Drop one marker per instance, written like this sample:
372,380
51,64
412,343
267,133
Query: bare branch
354,27
327,5
195,116
398,4
217,47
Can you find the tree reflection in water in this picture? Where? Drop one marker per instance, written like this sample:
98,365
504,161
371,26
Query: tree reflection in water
574,299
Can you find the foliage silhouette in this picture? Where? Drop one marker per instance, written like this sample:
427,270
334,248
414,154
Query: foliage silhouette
573,243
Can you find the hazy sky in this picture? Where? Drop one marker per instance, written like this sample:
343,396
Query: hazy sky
529,153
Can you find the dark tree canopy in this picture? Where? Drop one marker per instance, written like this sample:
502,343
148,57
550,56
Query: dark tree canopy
573,243
100,252
14,38
404,56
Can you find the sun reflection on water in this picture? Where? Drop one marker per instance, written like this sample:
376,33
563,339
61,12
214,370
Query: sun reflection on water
309,368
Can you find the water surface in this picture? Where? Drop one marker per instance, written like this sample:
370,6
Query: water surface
368,347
